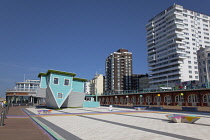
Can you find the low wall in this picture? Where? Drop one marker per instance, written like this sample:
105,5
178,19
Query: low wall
90,104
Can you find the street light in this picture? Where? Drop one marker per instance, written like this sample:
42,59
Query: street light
127,99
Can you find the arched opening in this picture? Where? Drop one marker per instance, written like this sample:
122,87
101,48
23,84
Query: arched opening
193,98
121,100
157,100
179,99
206,99
149,100
167,99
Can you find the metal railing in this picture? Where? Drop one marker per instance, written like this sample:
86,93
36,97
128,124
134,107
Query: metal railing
4,113
23,89
176,88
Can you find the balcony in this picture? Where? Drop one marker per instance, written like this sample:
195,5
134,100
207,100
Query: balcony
151,58
164,79
166,69
178,15
150,32
180,36
151,51
151,35
168,74
152,64
178,7
165,66
181,47
21,90
149,26
181,27
149,43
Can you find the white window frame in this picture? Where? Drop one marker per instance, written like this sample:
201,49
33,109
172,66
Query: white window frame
61,95
65,81
54,80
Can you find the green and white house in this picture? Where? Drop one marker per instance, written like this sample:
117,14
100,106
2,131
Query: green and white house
61,89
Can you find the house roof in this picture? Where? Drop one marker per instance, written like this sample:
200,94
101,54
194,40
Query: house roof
80,79
64,73
55,71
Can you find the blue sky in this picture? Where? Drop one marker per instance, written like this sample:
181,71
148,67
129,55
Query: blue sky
75,35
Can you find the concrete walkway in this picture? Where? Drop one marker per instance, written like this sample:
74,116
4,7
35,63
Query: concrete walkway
19,126
121,123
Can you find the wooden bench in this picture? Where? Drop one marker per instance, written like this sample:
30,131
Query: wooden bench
139,108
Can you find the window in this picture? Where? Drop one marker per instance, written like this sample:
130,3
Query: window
60,95
66,82
56,81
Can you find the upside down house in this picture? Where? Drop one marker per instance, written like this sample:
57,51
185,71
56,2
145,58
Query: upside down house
61,89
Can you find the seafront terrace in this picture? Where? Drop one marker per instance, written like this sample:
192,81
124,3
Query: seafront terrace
101,124
180,97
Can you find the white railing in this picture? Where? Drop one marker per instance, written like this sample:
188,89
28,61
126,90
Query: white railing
19,89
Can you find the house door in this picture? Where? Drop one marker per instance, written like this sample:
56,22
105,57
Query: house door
121,100
179,99
157,100
167,99
141,100
148,100
206,99
111,100
133,100
193,98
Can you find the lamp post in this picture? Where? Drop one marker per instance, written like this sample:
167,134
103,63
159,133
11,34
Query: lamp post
140,102
158,100
115,99
127,99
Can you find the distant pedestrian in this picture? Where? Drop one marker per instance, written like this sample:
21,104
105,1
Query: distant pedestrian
5,103
110,108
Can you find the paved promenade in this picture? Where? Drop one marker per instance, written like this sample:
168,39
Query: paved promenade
19,126
121,123
101,124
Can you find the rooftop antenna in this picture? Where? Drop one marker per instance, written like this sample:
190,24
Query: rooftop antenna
96,73
24,77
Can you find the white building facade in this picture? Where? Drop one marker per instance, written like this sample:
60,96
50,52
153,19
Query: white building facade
173,38
96,85
87,87
24,92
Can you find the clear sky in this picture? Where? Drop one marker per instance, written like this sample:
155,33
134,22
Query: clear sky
75,35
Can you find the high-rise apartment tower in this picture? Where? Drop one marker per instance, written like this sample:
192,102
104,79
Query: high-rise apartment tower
118,71
173,38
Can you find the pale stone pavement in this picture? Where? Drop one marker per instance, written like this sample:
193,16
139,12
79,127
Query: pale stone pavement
121,123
